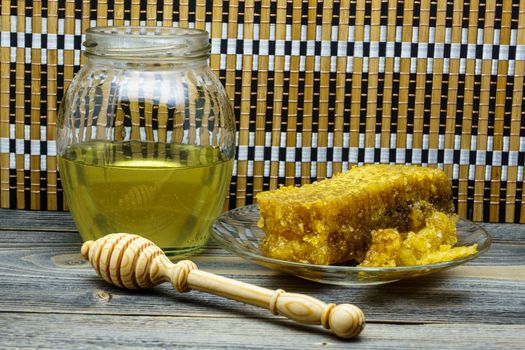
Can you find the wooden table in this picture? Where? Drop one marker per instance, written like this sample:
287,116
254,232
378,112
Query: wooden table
51,298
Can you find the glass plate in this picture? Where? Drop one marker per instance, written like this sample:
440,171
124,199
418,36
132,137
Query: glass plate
237,231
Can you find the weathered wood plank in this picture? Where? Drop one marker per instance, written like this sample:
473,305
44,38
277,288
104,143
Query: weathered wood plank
499,253
13,238
22,220
47,288
55,278
69,243
505,232
114,332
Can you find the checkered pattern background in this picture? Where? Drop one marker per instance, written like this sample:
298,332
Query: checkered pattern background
316,87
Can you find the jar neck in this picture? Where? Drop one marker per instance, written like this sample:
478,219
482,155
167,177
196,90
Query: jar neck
145,46
131,63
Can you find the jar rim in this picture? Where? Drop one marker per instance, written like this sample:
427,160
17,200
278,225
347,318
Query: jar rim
147,43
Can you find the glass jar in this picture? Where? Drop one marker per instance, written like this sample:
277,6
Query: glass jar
146,137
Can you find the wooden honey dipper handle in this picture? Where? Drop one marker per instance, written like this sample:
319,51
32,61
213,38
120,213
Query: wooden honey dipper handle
131,261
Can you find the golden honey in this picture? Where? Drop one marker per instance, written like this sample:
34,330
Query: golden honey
169,194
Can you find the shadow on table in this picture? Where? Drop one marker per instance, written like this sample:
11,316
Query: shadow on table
218,307
411,300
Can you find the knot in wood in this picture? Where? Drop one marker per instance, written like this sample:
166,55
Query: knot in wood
273,301
180,277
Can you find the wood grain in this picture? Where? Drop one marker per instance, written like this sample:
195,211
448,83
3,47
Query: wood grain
41,220
499,254
51,298
134,262
54,278
92,331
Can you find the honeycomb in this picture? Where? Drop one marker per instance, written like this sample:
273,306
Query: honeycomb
433,243
331,221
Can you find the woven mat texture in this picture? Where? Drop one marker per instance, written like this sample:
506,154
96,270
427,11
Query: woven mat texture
317,86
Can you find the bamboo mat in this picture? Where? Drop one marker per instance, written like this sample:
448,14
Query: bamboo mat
317,86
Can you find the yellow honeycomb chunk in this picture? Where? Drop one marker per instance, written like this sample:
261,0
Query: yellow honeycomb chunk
331,221
431,244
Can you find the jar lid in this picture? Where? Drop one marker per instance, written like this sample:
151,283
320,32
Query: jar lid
147,43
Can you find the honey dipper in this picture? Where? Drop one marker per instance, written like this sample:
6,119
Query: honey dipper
131,261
